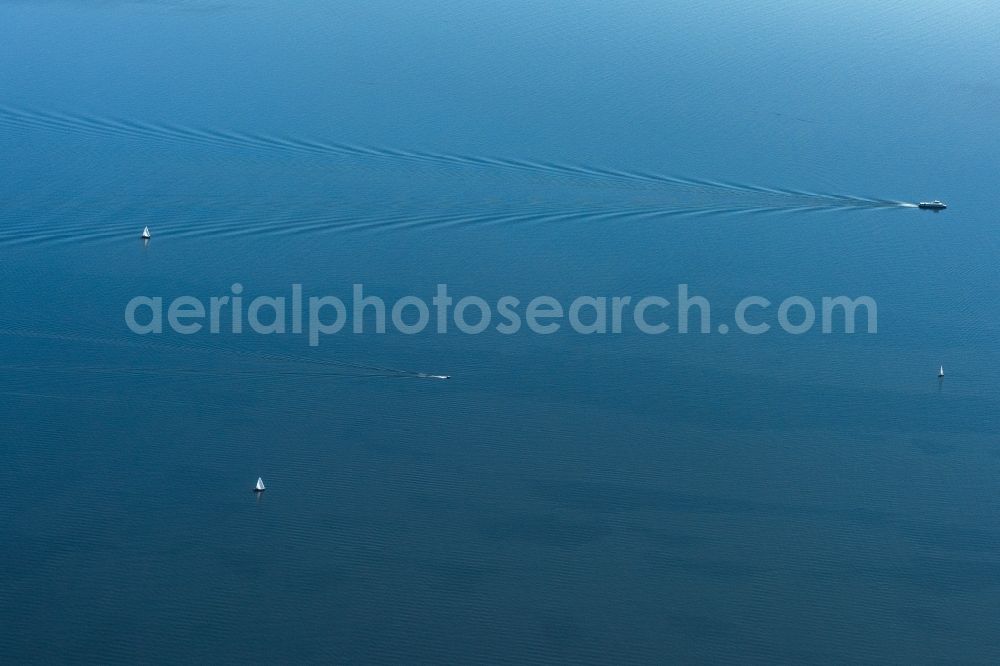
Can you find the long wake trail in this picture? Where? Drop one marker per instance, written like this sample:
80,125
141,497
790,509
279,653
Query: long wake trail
20,119
264,364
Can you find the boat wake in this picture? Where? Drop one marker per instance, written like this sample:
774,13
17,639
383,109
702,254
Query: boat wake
223,223
217,360
653,195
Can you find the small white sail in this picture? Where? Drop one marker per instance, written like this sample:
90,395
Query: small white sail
145,232
260,485
941,371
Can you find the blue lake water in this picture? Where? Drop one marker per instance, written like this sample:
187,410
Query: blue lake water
566,498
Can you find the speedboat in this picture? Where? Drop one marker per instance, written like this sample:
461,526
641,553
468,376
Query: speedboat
932,205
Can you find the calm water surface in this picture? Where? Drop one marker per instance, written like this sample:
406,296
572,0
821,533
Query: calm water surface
564,498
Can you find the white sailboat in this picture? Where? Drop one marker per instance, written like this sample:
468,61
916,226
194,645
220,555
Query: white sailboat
145,233
259,488
941,371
